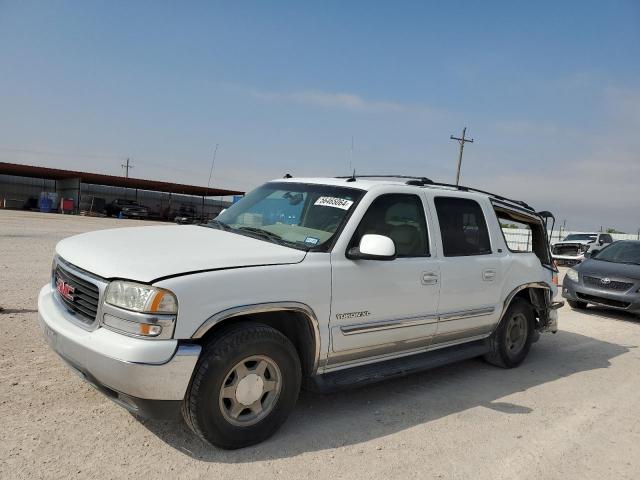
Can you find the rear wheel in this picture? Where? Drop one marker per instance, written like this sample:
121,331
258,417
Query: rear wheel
511,342
245,386
577,304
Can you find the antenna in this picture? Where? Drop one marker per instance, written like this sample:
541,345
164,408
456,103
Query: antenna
351,155
213,161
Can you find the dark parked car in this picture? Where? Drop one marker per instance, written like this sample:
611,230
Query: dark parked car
187,214
128,208
609,277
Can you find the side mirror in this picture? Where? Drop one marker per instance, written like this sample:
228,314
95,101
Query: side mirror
373,247
601,242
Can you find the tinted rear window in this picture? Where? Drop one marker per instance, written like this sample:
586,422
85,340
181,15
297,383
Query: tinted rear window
462,226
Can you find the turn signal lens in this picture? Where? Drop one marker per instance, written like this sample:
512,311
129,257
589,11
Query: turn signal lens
133,328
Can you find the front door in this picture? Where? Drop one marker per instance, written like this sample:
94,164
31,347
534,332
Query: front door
379,308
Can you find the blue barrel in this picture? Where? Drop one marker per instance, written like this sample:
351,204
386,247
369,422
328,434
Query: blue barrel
45,204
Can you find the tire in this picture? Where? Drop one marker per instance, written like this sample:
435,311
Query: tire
508,347
577,305
245,386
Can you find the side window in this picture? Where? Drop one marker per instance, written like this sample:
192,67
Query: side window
606,238
399,217
462,226
518,235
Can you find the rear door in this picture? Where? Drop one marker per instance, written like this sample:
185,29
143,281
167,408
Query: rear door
471,271
382,307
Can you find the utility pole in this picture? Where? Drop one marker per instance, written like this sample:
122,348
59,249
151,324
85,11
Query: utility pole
462,141
126,167
213,161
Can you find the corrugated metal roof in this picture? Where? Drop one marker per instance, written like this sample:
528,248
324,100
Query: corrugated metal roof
111,180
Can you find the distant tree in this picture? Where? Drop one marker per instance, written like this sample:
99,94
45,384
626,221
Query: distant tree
508,225
613,230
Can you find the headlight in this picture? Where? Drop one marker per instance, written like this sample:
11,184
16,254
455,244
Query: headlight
572,275
584,248
141,298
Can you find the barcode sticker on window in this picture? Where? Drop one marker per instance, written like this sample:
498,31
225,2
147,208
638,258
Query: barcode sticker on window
334,202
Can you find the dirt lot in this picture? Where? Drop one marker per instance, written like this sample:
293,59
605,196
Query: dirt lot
570,411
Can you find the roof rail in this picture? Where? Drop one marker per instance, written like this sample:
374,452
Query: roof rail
413,180
493,195
421,181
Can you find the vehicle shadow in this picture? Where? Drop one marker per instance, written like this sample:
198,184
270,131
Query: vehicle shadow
322,422
611,313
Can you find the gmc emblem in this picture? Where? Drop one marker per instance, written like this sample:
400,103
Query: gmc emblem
65,289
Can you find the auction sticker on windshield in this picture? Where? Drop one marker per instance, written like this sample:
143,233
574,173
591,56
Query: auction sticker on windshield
334,202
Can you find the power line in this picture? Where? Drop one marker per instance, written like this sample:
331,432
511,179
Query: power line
56,154
462,141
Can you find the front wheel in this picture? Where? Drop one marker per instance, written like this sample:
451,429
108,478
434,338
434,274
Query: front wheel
244,388
511,342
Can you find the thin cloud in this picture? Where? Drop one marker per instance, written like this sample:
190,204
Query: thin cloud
335,100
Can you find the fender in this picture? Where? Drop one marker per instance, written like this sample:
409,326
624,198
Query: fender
263,308
514,292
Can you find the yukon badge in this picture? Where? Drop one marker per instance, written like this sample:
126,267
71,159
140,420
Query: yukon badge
342,316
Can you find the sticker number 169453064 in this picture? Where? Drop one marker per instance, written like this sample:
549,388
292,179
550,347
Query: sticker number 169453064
334,202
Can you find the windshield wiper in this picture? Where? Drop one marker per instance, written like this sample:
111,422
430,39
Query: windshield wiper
270,236
263,233
216,224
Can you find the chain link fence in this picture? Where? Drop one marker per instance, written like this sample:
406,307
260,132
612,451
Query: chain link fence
520,238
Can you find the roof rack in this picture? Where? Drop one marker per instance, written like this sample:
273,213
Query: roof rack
424,181
413,180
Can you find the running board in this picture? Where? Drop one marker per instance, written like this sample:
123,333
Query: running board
399,367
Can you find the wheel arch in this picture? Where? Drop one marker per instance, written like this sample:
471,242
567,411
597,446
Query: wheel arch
534,292
296,321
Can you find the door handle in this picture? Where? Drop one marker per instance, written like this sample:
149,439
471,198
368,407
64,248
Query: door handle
429,278
488,275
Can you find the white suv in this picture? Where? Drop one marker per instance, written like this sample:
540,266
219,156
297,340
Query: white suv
318,282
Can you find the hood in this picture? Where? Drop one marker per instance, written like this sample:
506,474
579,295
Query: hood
574,242
592,266
145,254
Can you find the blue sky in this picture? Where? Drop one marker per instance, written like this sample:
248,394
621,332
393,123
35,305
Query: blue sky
549,90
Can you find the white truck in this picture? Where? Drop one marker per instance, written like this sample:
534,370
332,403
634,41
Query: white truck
323,283
571,250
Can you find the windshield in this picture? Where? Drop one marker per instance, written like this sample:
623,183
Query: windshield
581,236
620,252
299,215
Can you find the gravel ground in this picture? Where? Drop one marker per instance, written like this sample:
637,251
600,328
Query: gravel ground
570,411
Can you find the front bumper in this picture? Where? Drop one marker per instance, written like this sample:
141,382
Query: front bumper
578,292
139,374
568,259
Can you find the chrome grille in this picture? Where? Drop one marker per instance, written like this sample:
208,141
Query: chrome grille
610,285
86,295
